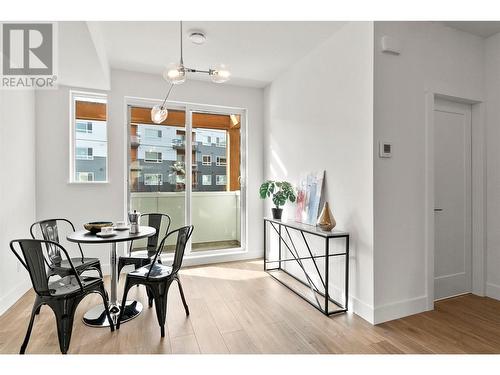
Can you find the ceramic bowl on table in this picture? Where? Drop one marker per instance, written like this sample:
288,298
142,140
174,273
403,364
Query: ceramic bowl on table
96,226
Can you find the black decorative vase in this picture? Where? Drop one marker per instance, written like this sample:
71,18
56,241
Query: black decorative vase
277,212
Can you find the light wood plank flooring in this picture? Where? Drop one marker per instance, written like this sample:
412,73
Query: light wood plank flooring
238,308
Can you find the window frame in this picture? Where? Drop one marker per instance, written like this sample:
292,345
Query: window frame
217,179
86,131
88,157
207,164
87,173
153,174
75,96
158,153
218,163
203,182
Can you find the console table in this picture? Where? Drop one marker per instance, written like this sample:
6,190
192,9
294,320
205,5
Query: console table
288,252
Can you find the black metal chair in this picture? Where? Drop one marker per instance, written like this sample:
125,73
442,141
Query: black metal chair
63,295
155,220
57,266
157,277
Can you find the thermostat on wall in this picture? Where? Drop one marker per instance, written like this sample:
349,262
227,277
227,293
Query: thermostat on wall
385,149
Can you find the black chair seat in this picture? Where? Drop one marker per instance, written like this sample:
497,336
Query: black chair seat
158,271
69,285
78,263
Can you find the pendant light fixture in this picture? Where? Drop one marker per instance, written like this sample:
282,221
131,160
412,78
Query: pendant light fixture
176,74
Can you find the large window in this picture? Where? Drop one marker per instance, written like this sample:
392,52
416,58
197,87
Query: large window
89,138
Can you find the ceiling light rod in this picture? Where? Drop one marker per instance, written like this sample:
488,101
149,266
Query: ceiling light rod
176,75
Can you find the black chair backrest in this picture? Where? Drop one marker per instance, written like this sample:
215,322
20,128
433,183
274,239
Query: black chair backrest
154,220
34,262
49,230
183,235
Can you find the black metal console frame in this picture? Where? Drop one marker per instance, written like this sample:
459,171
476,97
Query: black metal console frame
278,225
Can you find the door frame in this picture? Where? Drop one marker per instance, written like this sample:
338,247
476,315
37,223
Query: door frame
209,256
478,190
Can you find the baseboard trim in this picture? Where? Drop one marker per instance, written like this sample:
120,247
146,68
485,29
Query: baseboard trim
493,291
7,301
400,309
361,309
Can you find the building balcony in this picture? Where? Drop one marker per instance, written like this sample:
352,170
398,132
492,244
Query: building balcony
180,144
135,141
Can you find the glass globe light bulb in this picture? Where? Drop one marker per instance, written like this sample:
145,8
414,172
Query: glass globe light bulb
158,114
220,74
175,74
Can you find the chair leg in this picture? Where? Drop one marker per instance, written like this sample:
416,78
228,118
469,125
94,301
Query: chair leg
38,310
124,301
36,307
105,301
150,297
182,295
160,298
65,314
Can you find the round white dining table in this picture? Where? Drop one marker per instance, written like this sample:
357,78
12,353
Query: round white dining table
96,317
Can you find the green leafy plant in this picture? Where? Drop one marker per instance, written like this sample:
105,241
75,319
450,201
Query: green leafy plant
281,191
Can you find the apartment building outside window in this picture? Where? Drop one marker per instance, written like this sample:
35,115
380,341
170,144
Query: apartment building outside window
89,138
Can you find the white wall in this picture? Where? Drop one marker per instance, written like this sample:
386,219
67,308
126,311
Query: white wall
434,58
82,203
492,86
17,187
81,61
319,116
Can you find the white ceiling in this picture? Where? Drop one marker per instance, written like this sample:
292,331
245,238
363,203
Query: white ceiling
256,52
483,29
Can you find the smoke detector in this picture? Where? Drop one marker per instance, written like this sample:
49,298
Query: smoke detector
197,37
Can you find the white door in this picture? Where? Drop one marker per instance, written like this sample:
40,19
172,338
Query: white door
452,197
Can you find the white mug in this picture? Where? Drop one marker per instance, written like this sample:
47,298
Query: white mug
106,230
121,224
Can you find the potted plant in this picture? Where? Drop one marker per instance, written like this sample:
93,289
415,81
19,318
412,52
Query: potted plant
281,192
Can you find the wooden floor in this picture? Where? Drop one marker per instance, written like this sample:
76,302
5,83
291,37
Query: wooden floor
237,308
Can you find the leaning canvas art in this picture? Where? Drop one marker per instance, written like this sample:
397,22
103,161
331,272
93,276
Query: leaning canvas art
309,192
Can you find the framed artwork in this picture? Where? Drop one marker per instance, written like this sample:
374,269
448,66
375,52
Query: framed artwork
309,191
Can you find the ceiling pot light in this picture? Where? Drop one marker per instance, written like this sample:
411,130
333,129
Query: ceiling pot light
197,37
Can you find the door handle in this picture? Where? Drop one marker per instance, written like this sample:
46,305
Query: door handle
438,210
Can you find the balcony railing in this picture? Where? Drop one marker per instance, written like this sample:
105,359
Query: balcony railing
215,215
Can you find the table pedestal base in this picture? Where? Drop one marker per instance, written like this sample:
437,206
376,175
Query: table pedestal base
96,317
